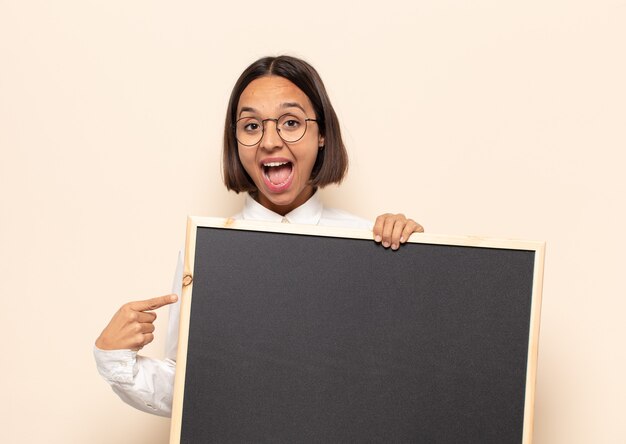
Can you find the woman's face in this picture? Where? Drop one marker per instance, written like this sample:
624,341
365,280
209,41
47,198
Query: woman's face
280,170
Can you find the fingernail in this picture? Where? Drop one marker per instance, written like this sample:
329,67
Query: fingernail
378,238
394,246
401,239
386,244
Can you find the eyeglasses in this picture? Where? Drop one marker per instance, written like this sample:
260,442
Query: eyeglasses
291,127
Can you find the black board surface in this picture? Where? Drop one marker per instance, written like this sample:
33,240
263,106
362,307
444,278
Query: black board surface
299,338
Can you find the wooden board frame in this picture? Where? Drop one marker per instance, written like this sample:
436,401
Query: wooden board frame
194,223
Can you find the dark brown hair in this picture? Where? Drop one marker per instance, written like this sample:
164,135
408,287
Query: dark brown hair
332,161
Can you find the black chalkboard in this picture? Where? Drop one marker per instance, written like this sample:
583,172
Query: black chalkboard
315,338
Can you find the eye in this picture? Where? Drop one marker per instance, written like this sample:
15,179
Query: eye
290,123
251,126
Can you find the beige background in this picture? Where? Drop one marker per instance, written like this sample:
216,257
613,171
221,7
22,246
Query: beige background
503,119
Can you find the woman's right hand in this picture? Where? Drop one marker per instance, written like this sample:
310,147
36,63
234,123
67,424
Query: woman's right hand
132,326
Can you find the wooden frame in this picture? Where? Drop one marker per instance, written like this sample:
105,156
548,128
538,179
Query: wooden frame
196,222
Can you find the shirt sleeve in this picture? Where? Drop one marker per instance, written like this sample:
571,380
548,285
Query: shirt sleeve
145,383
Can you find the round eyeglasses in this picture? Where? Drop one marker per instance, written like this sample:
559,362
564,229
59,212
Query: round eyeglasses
291,127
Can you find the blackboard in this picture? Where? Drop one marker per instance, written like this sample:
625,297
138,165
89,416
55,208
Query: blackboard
307,334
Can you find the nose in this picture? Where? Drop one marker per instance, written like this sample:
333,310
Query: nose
270,140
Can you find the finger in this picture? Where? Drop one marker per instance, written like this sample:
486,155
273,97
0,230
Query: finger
145,316
130,315
154,303
140,340
378,227
410,228
147,338
388,229
396,234
146,327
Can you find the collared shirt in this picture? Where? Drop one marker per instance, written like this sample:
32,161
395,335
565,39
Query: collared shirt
147,383
312,212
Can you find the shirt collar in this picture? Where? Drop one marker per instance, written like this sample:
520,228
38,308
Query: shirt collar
308,213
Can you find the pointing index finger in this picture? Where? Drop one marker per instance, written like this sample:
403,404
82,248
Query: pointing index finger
154,303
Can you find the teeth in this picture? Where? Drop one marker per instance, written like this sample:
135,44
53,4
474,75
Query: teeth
274,164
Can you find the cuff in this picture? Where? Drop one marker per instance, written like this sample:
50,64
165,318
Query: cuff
116,365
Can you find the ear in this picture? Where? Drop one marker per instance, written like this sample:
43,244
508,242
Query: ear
320,142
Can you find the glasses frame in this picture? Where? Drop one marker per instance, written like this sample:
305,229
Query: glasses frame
275,120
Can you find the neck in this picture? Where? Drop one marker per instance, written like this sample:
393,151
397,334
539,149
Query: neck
286,208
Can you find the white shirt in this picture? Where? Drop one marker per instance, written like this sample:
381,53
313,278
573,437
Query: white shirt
147,383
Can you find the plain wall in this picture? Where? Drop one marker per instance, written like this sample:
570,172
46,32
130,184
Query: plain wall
500,119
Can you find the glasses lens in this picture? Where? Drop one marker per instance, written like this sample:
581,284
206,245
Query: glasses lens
291,127
249,131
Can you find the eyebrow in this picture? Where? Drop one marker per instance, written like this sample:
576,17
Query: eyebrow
246,109
282,105
293,105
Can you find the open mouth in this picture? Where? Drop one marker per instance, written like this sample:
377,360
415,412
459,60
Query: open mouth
278,173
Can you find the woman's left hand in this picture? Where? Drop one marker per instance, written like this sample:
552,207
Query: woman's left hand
394,229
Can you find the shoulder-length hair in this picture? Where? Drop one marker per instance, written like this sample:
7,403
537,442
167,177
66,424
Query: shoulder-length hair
331,164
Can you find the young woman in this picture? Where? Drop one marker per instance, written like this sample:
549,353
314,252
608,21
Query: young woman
281,143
